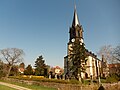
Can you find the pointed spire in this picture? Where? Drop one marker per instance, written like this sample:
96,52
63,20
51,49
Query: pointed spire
75,18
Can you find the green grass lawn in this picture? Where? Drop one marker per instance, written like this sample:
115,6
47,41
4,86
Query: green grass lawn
2,87
33,87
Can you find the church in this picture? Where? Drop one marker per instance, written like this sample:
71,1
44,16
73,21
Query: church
93,64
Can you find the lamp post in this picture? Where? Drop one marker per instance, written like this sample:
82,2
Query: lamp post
99,81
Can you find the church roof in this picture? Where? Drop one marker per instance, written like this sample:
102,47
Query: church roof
75,18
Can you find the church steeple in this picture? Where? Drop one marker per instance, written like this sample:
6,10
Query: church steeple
76,30
75,18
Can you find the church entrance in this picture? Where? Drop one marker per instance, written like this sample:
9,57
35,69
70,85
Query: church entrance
86,75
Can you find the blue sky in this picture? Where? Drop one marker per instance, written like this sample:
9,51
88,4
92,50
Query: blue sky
41,27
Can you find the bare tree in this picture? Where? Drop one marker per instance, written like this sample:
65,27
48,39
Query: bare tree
116,53
112,55
12,56
107,52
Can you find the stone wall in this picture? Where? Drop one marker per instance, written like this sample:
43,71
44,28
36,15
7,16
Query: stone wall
112,86
59,86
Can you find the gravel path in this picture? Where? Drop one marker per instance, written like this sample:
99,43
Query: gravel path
14,86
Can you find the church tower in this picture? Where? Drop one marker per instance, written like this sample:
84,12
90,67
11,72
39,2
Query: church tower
76,30
75,33
92,64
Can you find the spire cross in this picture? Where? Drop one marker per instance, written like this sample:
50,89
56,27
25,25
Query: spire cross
75,18
75,7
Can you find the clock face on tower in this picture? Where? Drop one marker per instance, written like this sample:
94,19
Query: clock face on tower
73,40
81,40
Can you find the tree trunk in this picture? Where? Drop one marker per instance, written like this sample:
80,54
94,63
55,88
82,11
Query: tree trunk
7,75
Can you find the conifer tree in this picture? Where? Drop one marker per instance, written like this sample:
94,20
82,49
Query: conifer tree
78,58
40,66
28,70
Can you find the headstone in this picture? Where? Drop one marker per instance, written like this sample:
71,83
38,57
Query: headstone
49,76
55,76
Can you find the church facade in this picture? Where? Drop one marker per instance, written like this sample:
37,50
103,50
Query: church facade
93,64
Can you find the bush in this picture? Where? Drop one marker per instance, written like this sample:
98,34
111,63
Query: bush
112,78
43,79
86,82
103,80
74,81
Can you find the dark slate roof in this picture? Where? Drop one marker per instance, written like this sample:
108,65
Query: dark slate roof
75,18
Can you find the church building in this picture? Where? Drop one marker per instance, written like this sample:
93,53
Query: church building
93,64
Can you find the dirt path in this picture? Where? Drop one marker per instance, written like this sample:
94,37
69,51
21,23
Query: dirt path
14,86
